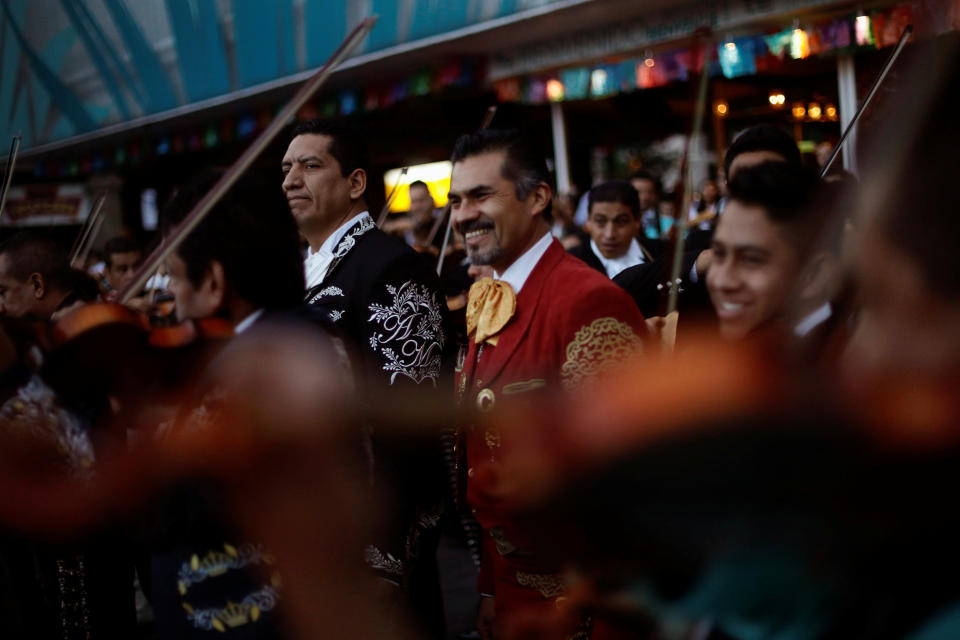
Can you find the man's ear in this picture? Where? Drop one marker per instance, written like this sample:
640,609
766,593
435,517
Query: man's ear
358,183
214,286
36,281
817,276
539,198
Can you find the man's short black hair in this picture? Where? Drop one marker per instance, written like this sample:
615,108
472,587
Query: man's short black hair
763,137
786,193
253,236
31,252
615,191
646,175
346,144
120,244
525,164
419,183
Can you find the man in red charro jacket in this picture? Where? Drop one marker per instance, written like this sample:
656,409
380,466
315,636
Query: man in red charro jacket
546,321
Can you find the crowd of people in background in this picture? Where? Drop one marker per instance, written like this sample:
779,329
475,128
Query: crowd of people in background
492,371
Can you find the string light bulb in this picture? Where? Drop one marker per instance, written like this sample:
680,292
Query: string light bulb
555,90
830,111
721,108
862,30
799,111
777,99
814,111
731,53
799,44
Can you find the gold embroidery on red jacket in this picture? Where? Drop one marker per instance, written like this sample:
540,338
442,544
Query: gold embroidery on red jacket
548,584
596,348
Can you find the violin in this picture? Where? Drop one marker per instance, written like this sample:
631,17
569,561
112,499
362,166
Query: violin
107,349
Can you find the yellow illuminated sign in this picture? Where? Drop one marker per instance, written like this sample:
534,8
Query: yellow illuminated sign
436,175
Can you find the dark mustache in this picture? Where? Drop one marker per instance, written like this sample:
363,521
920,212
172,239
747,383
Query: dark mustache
473,225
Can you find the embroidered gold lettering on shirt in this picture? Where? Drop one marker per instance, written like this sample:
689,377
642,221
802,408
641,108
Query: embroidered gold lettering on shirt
596,348
526,385
548,584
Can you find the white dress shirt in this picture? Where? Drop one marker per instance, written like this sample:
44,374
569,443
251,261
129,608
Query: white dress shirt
318,262
518,272
614,266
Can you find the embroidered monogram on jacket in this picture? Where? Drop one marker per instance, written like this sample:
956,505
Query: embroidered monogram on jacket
410,335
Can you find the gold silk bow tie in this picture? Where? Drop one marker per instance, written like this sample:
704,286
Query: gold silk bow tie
490,305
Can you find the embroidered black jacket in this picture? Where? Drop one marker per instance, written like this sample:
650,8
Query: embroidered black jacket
385,300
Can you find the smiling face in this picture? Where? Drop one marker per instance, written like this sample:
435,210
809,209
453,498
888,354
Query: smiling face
754,270
319,195
497,227
613,227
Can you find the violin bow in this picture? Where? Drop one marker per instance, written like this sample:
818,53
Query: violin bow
8,174
386,205
246,159
484,124
901,43
91,226
81,257
669,334
436,226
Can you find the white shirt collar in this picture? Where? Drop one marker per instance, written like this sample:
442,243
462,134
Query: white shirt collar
613,266
317,262
812,320
247,322
518,272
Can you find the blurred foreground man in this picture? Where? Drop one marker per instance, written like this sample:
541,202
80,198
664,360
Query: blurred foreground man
207,576
787,505
545,322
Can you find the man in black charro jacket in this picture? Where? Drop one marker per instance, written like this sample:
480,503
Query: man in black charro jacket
388,303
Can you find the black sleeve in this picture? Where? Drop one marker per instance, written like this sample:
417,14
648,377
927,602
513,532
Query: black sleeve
408,345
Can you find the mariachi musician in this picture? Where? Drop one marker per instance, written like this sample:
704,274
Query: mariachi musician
547,321
388,304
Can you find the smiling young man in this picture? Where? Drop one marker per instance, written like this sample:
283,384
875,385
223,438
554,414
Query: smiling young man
545,321
613,223
760,248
